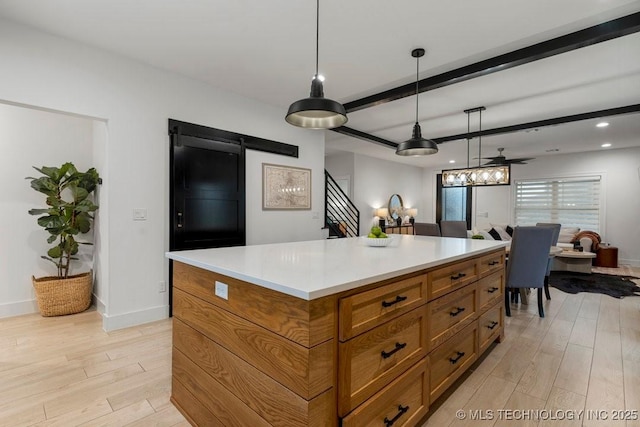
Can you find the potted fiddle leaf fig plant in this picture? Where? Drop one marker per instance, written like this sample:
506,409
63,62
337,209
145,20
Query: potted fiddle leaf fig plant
69,213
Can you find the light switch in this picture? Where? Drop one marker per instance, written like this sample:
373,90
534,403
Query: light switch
139,214
222,290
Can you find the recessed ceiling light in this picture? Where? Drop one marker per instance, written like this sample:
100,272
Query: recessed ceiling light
602,125
606,145
452,161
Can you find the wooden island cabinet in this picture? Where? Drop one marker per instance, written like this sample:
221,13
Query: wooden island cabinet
373,346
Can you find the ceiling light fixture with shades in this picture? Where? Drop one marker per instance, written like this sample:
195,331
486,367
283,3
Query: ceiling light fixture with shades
417,145
317,112
480,176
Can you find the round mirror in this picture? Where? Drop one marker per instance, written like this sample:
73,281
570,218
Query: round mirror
395,206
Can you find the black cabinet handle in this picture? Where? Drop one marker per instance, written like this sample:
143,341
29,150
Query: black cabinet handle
455,360
455,313
458,276
179,219
492,325
492,289
399,346
401,410
398,299
494,262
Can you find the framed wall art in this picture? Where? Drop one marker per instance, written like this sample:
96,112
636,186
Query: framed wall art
285,187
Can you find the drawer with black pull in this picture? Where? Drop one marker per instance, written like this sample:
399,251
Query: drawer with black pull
366,310
373,359
446,279
490,263
490,326
490,290
452,358
449,314
404,402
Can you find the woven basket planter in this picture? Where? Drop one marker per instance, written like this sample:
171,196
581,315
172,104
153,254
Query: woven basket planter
58,297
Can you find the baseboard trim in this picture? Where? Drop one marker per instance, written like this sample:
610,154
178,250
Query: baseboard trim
631,262
18,308
134,318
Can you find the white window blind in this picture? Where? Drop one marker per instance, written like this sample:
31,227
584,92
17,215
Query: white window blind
572,202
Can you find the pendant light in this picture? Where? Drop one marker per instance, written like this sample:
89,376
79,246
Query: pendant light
417,145
479,176
316,112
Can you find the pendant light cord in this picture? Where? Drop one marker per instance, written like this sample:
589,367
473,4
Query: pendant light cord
468,136
480,140
317,34
417,77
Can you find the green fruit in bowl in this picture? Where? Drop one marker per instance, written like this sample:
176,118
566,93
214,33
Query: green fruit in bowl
375,230
372,236
383,236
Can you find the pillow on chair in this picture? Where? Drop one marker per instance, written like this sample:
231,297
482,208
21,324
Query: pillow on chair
494,234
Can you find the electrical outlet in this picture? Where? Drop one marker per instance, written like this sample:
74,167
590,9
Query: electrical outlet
222,290
162,286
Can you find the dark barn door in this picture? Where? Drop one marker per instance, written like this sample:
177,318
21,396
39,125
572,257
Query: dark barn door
208,194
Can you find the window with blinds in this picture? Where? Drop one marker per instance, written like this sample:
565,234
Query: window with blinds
572,202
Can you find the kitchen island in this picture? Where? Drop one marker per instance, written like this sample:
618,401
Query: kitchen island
322,332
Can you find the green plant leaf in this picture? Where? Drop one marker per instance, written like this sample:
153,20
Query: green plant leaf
38,211
83,222
52,238
50,221
45,185
55,252
79,194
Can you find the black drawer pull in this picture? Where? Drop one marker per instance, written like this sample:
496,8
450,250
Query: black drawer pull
401,410
459,355
398,299
399,346
458,276
455,313
494,262
492,289
492,325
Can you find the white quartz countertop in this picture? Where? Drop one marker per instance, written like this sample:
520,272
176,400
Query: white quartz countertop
318,268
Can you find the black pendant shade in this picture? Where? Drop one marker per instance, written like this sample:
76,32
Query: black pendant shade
316,112
417,145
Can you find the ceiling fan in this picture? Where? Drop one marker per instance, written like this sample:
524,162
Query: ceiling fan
501,160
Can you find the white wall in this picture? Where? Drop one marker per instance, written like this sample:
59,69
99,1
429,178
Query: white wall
136,101
33,138
341,166
375,180
620,170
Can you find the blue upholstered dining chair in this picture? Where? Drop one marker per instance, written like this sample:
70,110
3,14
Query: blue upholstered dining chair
554,242
453,229
426,229
527,264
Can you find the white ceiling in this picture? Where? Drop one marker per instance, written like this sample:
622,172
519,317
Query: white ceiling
265,50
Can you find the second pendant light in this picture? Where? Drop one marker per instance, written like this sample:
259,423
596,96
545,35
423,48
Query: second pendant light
417,145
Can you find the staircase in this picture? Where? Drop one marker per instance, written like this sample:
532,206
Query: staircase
342,218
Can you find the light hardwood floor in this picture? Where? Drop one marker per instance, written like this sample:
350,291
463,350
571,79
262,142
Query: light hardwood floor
584,355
